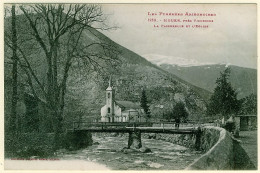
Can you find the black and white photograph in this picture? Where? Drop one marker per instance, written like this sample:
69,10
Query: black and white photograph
129,86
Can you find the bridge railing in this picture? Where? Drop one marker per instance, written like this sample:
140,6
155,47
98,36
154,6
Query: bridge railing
79,125
110,125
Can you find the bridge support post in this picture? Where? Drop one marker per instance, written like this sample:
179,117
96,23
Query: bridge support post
198,139
134,140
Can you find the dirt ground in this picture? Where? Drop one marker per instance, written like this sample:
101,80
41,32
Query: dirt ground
249,143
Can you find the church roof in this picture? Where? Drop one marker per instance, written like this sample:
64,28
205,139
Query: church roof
128,104
109,88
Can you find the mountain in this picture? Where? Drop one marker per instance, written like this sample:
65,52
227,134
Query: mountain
86,89
135,73
171,60
244,80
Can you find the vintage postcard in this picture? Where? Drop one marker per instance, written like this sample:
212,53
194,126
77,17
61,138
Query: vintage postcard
129,86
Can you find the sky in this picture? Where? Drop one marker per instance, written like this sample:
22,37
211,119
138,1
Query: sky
230,39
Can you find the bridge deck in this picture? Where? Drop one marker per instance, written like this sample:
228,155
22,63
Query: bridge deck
154,127
141,129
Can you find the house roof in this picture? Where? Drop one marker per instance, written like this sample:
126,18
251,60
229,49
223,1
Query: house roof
245,115
128,104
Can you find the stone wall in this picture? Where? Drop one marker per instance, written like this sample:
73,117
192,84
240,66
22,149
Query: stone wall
187,140
219,146
208,139
223,152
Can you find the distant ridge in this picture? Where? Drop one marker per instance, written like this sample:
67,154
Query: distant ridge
179,61
244,80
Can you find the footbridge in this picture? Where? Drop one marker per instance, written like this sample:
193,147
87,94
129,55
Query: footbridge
144,127
136,128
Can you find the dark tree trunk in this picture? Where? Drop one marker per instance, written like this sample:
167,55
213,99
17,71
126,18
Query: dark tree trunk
13,119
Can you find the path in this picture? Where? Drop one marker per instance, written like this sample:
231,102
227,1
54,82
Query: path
249,143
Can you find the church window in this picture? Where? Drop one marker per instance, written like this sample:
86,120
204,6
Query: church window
108,110
108,95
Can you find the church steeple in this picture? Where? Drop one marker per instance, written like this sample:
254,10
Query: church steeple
110,99
109,88
110,81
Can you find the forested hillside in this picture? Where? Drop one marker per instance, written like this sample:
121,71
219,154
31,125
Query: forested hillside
96,57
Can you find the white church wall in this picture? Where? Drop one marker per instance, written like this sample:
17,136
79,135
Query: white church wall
117,110
104,119
118,119
104,113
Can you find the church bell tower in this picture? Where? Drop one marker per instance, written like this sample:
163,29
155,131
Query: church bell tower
110,101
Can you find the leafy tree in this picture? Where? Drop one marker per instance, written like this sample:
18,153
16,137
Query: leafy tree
224,99
179,112
144,105
249,105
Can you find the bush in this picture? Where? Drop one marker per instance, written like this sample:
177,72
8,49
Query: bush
77,140
41,145
230,126
27,145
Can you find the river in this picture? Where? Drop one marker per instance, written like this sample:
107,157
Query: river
107,152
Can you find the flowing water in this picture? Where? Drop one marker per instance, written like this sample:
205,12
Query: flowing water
107,151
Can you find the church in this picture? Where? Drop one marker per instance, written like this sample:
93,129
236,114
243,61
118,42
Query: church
120,111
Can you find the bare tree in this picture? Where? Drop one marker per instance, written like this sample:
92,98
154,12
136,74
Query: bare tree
13,118
60,32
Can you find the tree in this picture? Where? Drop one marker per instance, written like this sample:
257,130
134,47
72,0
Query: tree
249,105
224,99
179,112
58,33
145,106
13,117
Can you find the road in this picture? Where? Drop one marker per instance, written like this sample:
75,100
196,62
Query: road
249,143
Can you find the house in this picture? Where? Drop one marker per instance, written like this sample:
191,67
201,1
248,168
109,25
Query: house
246,122
120,111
